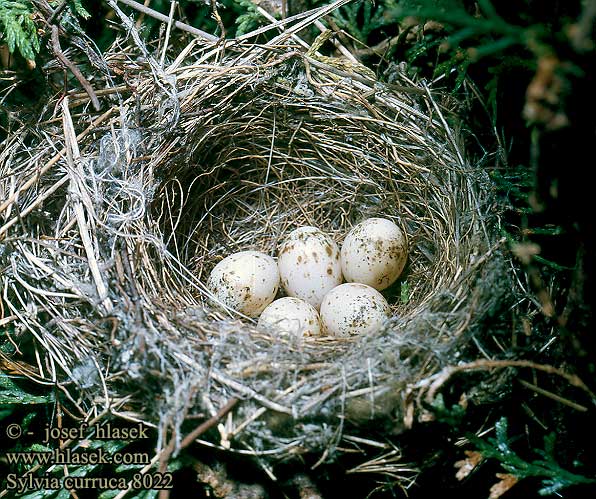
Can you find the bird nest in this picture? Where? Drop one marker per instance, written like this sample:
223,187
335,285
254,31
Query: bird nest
111,222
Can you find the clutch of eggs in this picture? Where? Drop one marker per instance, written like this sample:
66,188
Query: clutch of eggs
311,269
246,281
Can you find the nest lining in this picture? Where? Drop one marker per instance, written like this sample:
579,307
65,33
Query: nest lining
105,275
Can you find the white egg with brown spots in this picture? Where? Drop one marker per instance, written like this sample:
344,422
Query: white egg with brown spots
374,253
291,316
309,265
246,282
353,309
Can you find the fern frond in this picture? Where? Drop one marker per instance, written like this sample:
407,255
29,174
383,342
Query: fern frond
553,476
18,30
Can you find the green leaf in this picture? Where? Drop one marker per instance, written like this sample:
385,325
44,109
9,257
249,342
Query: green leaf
4,413
142,494
18,29
360,19
551,264
553,477
451,415
404,292
42,494
147,494
39,448
12,394
77,7
64,494
108,494
249,20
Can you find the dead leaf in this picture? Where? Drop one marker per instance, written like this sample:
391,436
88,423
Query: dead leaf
543,96
5,56
506,481
525,251
467,465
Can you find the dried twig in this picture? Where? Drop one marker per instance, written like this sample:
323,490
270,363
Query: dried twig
210,423
165,454
163,18
73,154
554,396
442,377
73,68
57,11
166,41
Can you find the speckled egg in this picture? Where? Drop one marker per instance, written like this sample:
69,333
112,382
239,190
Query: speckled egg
291,316
353,309
374,253
309,265
247,281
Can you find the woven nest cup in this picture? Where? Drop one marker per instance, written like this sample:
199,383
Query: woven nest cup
118,228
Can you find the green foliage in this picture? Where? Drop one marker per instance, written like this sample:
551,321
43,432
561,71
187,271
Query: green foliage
514,184
141,494
471,37
466,37
17,28
47,494
248,18
452,416
360,19
10,394
469,25
76,6
238,16
19,406
404,293
545,467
